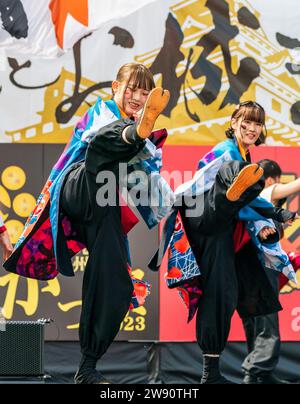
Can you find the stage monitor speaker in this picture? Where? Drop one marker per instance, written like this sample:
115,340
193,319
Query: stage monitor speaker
22,348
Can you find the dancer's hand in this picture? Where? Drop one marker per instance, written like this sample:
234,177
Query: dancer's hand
266,232
6,245
291,221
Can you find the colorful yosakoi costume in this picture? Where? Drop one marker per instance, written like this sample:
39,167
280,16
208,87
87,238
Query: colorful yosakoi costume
2,226
68,218
215,256
263,332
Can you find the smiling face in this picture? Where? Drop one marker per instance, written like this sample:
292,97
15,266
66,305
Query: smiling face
132,87
248,124
248,131
130,98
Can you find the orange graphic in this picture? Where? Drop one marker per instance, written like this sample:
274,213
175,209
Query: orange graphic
174,273
61,8
182,245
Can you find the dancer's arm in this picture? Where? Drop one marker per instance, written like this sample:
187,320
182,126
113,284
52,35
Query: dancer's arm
267,210
281,191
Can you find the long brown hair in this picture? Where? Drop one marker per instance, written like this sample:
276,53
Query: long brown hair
250,111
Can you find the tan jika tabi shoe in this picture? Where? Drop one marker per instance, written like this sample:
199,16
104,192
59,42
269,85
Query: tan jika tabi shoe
156,102
247,177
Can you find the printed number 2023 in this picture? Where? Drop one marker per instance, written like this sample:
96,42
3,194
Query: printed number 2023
133,324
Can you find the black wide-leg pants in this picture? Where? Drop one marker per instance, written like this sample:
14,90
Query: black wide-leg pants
107,286
229,281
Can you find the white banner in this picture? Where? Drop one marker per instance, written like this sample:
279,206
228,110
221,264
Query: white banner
210,55
47,28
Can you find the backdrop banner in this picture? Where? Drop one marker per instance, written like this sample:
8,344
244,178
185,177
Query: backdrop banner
210,54
21,179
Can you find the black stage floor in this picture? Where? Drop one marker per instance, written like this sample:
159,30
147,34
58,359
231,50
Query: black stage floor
154,363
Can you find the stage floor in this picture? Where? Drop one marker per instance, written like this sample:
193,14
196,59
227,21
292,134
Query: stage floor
154,363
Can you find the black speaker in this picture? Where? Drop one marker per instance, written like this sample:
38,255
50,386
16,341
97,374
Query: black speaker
22,348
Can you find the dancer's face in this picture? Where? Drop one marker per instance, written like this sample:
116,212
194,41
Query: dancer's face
247,131
129,98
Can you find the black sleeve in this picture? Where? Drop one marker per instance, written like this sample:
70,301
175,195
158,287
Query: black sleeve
107,148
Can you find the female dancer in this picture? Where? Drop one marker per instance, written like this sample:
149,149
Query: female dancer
70,214
213,260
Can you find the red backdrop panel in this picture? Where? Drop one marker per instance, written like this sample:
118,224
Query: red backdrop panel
173,313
